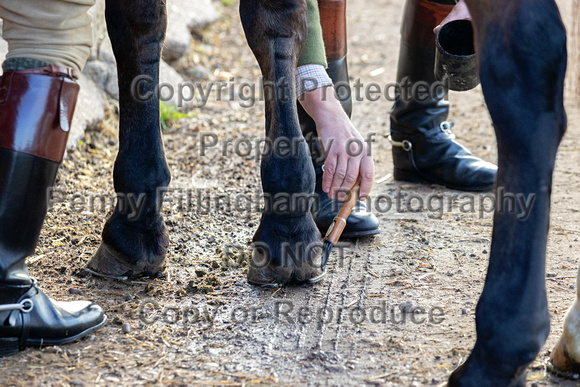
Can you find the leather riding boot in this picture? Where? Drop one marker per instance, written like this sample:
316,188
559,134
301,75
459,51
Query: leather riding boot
424,148
360,222
36,108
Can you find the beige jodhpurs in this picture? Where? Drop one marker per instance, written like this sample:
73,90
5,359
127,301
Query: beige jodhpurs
54,31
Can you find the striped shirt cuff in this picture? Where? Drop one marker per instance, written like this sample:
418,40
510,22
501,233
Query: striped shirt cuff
311,77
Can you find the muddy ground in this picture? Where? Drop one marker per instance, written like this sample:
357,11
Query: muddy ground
203,324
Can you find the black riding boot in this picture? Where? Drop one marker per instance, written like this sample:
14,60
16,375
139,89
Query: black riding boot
36,108
424,148
361,222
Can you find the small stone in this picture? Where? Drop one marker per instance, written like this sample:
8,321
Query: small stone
336,368
551,275
407,306
200,272
463,311
128,297
126,328
75,291
212,366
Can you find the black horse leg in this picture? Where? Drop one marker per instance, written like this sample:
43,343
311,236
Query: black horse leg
135,238
522,53
286,244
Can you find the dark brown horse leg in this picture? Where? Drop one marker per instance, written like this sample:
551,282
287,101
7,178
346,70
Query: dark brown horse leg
135,238
522,53
286,244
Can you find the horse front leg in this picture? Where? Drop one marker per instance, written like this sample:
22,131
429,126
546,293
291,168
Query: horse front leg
522,54
135,239
287,242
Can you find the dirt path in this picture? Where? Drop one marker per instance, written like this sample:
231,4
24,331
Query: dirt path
203,324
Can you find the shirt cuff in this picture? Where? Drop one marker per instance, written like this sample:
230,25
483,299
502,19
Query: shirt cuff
311,77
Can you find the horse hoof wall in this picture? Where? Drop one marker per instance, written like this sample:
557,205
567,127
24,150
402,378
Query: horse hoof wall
108,263
561,363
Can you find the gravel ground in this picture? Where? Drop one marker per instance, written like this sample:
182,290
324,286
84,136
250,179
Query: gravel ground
203,324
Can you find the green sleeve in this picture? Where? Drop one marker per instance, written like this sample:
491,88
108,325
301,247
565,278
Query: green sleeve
313,51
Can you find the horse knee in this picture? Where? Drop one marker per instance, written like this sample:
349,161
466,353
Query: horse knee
522,67
265,20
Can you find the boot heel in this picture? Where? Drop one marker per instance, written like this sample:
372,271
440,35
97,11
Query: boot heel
8,346
408,175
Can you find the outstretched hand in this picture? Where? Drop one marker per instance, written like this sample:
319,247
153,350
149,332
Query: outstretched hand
459,12
346,153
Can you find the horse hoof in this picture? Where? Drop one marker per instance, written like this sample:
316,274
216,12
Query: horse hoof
472,373
286,250
109,263
561,362
269,277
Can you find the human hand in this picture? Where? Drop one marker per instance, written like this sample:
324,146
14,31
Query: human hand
459,12
347,154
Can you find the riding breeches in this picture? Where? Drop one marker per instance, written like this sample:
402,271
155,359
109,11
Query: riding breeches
54,31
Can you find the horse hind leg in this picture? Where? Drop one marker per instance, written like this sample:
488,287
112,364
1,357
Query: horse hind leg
522,55
287,242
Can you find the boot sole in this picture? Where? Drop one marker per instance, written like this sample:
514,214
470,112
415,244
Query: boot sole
50,342
11,345
415,177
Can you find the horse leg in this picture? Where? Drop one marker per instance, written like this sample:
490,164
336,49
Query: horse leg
286,244
135,239
565,357
522,55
